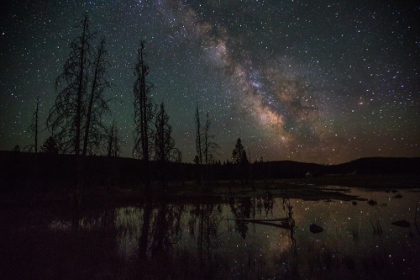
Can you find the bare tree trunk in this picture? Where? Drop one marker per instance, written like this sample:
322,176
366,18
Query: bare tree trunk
36,124
80,89
198,144
90,105
79,104
161,124
144,122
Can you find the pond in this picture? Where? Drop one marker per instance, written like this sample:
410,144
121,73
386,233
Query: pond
267,236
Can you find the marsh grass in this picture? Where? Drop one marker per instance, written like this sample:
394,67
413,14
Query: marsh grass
355,233
377,228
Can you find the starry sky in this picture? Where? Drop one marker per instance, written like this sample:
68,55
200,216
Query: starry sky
314,81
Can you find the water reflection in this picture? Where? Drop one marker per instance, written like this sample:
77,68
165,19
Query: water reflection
127,224
244,210
265,237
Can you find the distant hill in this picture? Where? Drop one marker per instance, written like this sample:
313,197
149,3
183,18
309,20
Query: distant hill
376,165
362,166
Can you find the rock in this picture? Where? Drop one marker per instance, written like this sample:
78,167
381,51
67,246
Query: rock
315,228
402,223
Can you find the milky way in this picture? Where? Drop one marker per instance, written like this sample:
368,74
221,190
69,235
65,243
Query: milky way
325,82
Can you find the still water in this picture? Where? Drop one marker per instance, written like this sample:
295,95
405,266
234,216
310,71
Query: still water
267,236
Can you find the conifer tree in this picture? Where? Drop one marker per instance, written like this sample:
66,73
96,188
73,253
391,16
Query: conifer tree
75,119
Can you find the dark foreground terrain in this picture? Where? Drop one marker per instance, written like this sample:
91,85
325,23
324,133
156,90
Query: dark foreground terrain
223,230
289,220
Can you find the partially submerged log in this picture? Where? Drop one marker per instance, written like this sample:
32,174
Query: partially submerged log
262,220
285,223
402,223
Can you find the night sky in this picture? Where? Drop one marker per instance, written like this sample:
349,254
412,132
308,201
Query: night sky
314,81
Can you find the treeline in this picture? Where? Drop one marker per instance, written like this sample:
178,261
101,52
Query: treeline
56,171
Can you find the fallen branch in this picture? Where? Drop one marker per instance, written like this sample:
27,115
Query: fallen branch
285,223
261,220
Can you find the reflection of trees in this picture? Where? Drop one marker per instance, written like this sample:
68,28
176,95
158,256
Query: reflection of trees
284,223
160,228
246,208
145,231
208,225
166,228
128,230
241,209
207,218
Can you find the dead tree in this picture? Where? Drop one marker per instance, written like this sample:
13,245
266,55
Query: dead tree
198,146
164,144
113,141
209,146
143,115
75,120
65,119
33,128
97,105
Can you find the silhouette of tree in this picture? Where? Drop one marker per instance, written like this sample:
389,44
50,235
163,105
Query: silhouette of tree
50,146
75,119
97,106
33,128
239,157
16,149
206,148
112,151
238,153
198,159
209,146
77,114
65,119
164,144
143,114
113,141
244,158
177,156
198,135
